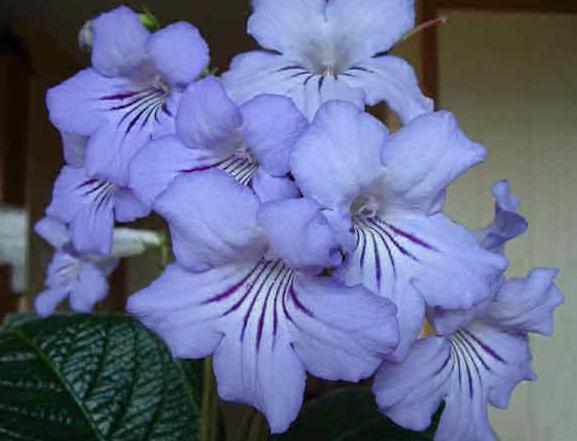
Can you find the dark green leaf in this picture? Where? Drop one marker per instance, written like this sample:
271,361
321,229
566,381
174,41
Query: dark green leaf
348,415
93,377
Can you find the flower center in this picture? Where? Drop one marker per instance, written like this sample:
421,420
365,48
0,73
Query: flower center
365,206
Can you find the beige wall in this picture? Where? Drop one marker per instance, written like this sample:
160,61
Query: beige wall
512,81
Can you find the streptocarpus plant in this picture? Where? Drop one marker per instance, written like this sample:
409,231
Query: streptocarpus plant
307,236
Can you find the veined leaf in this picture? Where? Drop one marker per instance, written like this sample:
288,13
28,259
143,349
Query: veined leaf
93,377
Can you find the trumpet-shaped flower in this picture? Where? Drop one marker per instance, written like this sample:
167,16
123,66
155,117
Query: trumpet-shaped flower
131,92
90,206
82,278
319,50
384,193
245,288
251,142
470,367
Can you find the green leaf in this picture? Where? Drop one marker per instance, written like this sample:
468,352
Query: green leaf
348,415
93,377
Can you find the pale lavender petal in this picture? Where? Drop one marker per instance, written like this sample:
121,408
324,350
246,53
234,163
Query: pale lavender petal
127,207
46,301
155,166
208,119
119,43
212,219
423,158
526,304
368,27
271,126
339,333
90,288
292,27
392,80
507,224
299,234
53,232
179,52
74,148
271,188
339,156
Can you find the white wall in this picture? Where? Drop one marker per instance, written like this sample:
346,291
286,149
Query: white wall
512,81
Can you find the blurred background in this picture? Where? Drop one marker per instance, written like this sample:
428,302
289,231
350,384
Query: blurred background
507,68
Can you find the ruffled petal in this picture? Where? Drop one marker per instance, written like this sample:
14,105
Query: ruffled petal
46,301
299,234
253,316
339,156
208,119
127,207
212,219
423,158
119,43
410,392
74,148
155,166
392,80
476,365
295,28
87,205
507,224
90,288
339,333
526,304
179,52
53,232
368,27
271,126
271,188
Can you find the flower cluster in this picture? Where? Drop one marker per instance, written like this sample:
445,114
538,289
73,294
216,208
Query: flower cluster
307,237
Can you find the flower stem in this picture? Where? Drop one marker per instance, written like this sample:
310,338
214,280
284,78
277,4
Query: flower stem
209,421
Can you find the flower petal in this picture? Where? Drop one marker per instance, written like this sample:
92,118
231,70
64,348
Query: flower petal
271,126
392,80
369,27
270,188
212,219
90,288
155,166
127,207
179,52
506,225
87,205
208,119
526,304
338,157
53,232
423,158
299,234
119,43
46,301
74,148
292,27
340,333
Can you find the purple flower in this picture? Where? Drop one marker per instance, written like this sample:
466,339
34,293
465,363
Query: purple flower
384,193
245,289
251,142
319,50
131,92
477,364
90,206
82,277
507,223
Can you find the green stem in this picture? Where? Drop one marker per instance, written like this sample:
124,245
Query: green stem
209,422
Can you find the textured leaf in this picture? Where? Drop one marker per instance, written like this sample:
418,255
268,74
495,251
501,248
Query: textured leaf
93,377
348,415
